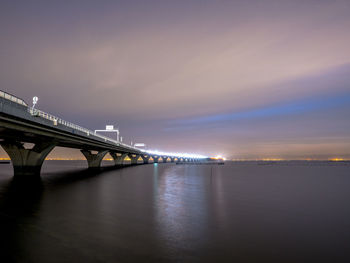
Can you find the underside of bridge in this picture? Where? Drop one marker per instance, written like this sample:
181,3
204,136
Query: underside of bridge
27,162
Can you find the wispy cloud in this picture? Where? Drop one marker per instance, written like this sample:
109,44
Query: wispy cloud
290,108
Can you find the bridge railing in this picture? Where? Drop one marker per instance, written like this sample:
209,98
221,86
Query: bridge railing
12,98
57,120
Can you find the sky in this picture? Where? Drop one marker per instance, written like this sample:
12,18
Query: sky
244,79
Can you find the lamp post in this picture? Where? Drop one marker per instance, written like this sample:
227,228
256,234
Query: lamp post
35,101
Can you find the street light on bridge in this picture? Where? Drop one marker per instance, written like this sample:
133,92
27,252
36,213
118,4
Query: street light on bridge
35,101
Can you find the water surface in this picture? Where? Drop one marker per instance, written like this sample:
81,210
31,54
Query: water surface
239,212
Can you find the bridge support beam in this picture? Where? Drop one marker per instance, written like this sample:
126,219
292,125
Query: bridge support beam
27,162
134,158
165,158
118,159
145,158
94,159
155,159
172,159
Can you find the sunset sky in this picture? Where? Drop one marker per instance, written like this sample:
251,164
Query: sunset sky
245,79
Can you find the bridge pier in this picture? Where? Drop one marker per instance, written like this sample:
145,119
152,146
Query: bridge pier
172,159
118,159
155,159
134,158
27,162
165,158
94,159
145,158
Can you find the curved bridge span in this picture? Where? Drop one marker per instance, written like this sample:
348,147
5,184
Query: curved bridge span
20,124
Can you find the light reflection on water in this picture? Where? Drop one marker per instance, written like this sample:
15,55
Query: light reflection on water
238,212
177,187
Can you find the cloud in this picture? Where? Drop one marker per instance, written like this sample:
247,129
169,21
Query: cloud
333,91
190,62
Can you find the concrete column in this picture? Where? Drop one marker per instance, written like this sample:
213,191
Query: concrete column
145,158
172,159
134,158
165,158
27,162
94,159
155,159
118,159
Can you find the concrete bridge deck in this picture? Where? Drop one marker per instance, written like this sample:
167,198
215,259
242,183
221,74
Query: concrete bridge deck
20,124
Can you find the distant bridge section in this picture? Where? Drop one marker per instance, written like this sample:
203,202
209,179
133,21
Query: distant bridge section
21,124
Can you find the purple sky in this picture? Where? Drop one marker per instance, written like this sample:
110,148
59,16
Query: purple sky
245,79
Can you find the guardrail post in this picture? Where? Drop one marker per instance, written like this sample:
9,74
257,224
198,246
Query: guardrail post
27,162
94,160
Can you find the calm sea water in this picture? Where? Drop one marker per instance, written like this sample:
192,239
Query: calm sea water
239,212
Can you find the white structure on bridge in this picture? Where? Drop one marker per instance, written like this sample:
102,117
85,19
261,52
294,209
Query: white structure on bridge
110,128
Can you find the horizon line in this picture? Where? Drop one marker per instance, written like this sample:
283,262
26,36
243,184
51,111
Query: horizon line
337,159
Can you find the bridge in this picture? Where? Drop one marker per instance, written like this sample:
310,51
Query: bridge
28,135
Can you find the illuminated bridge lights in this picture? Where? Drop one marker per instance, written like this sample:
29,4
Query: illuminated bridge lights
180,155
